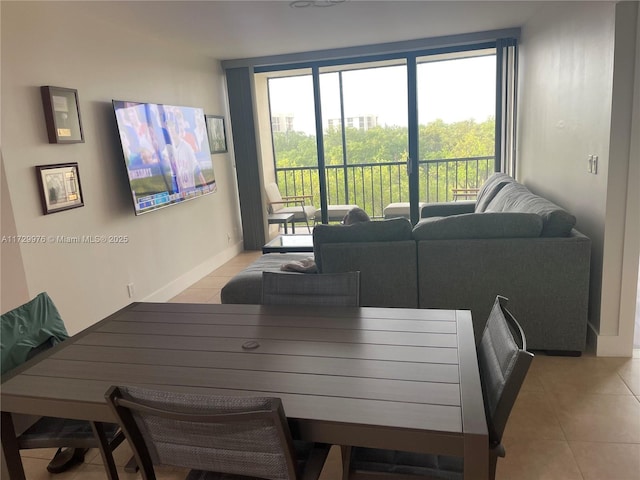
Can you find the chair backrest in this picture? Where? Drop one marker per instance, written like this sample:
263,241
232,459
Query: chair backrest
274,197
29,329
234,435
337,289
503,366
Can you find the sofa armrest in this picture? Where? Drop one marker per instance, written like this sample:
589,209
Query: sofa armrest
546,280
446,209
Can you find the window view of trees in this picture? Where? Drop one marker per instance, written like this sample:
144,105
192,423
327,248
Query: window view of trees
452,155
366,163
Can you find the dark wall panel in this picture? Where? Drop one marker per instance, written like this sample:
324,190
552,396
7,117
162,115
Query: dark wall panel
246,156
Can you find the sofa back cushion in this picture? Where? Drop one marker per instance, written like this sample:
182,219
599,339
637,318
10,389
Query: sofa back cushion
490,189
479,225
515,197
388,270
394,229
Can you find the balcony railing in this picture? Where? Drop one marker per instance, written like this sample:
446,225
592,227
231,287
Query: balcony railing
373,186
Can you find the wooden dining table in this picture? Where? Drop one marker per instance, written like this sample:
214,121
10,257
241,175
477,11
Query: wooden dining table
391,378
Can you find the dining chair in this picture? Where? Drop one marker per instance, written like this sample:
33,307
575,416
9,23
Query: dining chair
213,435
28,331
337,289
297,204
503,361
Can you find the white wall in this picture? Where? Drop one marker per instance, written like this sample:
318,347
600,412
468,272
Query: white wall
53,44
566,113
630,294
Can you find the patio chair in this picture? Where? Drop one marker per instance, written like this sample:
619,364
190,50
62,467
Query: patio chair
503,366
214,436
301,211
337,289
27,331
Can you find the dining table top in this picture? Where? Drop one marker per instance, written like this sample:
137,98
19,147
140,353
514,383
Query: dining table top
395,378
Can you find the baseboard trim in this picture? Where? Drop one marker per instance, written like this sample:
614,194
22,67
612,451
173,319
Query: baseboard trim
189,278
609,345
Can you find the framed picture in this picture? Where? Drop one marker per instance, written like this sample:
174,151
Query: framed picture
62,115
59,187
217,133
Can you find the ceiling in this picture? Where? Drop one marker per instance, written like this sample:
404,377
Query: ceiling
242,29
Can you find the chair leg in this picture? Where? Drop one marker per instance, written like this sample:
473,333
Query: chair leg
346,461
106,450
11,460
494,453
306,220
132,465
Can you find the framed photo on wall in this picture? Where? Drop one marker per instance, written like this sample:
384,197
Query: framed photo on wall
217,133
59,187
62,114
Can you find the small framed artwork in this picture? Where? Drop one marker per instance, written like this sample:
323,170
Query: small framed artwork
217,133
62,114
59,187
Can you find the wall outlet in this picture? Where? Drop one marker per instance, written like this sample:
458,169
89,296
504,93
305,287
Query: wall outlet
130,289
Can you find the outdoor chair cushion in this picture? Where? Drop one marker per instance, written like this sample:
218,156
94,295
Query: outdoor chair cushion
27,327
399,209
337,212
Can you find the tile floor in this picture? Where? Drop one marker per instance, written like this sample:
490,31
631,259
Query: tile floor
575,418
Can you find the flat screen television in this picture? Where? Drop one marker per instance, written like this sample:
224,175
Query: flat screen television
166,152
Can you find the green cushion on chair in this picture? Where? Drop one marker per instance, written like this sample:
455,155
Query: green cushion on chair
27,327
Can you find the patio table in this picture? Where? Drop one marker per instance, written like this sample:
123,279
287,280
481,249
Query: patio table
390,378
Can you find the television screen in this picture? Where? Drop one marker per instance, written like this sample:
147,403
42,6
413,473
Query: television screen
166,152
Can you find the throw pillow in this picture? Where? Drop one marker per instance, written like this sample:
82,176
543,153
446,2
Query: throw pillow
556,222
490,188
306,265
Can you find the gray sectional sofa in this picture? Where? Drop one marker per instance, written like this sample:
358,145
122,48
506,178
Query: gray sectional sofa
460,256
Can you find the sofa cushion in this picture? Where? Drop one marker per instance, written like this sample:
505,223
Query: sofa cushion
479,225
390,230
490,189
515,197
246,286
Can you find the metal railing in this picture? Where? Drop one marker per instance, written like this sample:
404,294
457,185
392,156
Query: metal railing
373,186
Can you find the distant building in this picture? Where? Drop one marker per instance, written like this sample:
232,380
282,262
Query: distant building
282,122
363,122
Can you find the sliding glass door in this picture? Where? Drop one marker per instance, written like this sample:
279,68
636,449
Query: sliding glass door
421,127
293,133
456,96
364,117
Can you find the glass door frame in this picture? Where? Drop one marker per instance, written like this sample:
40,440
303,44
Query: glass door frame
503,133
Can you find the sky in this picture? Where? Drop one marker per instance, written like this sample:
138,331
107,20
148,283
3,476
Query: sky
451,90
